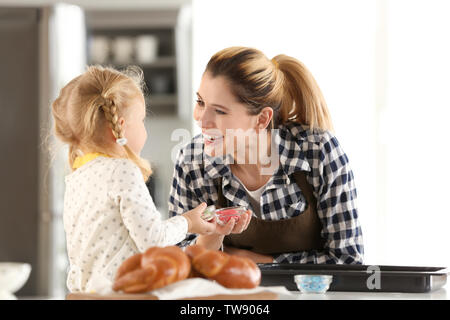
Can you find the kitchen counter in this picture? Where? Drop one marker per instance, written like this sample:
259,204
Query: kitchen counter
440,294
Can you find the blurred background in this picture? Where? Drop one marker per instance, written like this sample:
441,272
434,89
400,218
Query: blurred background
382,65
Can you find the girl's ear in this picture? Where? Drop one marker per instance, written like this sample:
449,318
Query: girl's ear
121,122
264,118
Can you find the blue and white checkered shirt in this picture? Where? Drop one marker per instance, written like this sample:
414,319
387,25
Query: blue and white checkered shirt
327,171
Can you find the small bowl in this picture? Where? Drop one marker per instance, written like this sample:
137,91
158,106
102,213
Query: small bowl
225,214
313,283
12,277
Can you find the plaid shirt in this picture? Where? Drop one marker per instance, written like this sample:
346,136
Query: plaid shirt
327,171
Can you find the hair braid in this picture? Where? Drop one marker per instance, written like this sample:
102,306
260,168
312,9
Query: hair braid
112,116
110,110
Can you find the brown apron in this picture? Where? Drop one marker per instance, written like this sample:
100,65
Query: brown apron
301,233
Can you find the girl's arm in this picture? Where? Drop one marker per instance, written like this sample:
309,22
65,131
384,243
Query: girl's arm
139,214
181,198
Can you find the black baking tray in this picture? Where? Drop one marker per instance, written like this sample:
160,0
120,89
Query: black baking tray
356,277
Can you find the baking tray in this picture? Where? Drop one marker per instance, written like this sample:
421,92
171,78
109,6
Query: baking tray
356,277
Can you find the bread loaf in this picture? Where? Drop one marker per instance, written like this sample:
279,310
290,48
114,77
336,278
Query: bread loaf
228,270
155,268
160,266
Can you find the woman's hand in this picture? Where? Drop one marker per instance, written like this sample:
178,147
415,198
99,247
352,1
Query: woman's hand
234,226
256,257
214,241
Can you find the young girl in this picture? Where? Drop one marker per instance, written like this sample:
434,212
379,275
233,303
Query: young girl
109,214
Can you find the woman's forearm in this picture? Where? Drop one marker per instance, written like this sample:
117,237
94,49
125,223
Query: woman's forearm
212,242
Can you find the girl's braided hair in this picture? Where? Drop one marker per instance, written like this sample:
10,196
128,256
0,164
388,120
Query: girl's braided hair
112,116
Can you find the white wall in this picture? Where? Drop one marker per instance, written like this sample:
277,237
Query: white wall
364,55
417,136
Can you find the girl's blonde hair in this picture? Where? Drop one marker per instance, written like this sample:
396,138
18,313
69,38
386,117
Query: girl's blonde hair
92,101
283,83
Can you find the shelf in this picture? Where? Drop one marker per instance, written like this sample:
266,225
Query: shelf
161,104
161,100
131,19
160,62
161,75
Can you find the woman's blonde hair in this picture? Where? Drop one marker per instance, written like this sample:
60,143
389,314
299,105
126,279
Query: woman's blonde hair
283,83
92,101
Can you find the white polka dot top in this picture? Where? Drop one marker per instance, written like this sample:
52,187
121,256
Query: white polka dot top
109,215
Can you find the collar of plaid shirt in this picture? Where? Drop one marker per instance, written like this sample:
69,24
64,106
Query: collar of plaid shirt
292,159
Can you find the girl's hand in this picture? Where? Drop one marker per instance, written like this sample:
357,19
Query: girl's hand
256,257
234,226
195,222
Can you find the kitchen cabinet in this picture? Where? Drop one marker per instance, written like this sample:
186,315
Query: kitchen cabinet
127,38
19,139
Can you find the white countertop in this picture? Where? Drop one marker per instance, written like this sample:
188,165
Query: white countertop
440,294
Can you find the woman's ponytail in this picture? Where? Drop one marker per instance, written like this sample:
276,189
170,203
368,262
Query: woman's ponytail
302,100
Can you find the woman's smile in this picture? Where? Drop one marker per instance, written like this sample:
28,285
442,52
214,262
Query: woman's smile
212,139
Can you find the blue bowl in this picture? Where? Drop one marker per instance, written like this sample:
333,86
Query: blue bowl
312,283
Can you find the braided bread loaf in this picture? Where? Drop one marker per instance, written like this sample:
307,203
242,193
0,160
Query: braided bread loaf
155,268
228,270
158,267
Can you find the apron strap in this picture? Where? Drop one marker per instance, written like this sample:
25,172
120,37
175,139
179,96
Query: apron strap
302,183
221,200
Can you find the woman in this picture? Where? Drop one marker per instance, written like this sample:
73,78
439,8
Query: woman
303,199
